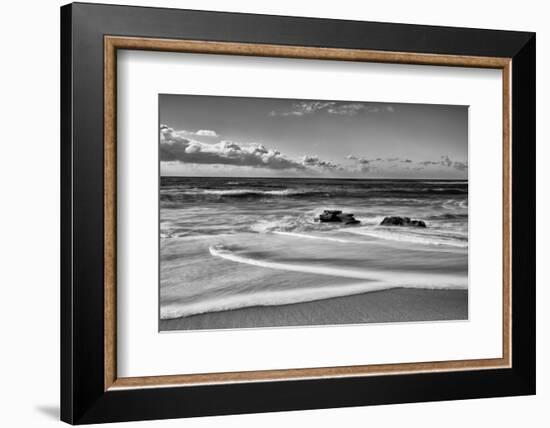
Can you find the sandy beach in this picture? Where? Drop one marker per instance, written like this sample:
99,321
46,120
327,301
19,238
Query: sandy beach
395,305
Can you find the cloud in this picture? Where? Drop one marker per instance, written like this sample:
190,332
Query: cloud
175,147
461,166
352,109
446,161
314,161
391,162
363,164
303,108
362,160
429,162
187,133
179,146
346,109
206,133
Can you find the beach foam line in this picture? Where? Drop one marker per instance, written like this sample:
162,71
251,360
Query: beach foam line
350,241
409,237
397,279
266,298
322,238
270,297
189,237
247,192
371,281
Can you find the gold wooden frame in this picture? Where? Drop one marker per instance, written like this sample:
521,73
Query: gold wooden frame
113,43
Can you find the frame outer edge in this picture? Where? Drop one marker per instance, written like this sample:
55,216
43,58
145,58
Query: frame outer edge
82,394
66,257
524,217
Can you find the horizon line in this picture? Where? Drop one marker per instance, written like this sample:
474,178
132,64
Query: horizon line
320,178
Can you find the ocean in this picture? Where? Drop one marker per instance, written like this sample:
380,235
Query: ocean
231,243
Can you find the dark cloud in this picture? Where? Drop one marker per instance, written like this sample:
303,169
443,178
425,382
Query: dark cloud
175,147
461,166
314,161
361,160
179,146
446,161
428,163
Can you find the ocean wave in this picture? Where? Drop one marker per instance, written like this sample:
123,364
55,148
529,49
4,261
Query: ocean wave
344,240
414,237
266,298
283,224
324,192
317,237
448,216
190,236
245,193
370,281
403,279
452,204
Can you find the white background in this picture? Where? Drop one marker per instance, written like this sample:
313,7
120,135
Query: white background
29,219
144,352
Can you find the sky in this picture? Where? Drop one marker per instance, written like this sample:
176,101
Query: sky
272,137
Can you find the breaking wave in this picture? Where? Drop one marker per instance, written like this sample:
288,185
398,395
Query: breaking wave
410,236
320,238
369,282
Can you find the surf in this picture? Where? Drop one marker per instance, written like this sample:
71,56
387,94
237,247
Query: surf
403,279
407,236
369,281
320,238
267,298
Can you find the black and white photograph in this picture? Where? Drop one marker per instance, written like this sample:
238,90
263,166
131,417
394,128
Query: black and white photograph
289,212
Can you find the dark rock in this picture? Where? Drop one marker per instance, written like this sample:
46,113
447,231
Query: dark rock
336,216
402,221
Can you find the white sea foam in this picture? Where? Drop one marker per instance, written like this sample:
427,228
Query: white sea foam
245,191
370,281
284,224
403,279
321,238
267,298
346,241
405,236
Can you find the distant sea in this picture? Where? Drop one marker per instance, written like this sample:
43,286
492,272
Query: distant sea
230,243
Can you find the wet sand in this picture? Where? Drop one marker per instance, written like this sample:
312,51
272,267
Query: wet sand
395,305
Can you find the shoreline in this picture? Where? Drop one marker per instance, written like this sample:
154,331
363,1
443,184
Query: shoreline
394,305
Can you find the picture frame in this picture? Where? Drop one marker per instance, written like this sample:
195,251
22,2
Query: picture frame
91,390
